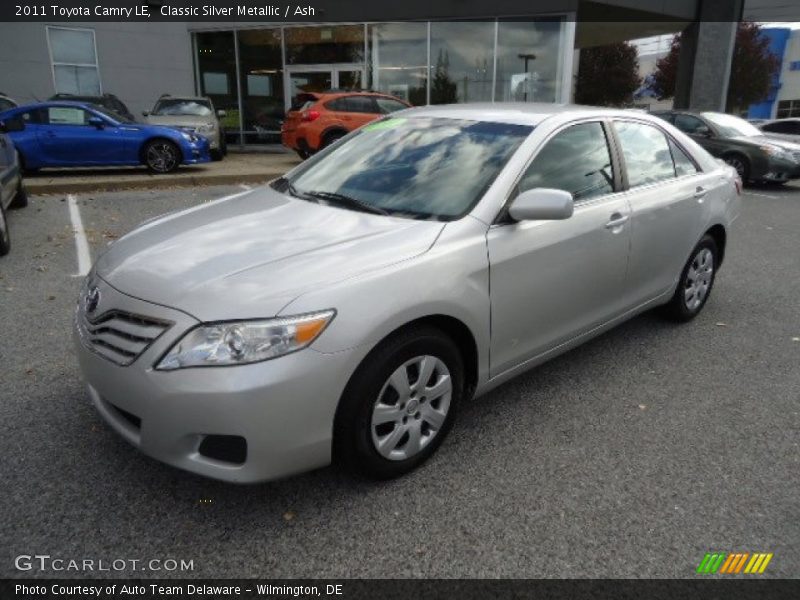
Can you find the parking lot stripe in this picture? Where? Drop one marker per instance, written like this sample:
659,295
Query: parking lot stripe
81,244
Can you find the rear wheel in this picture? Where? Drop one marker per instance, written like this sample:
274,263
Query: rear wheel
161,156
400,404
332,138
696,281
5,239
303,154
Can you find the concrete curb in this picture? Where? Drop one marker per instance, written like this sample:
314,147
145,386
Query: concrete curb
112,184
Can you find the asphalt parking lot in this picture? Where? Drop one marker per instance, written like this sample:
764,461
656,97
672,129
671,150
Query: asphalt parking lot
631,456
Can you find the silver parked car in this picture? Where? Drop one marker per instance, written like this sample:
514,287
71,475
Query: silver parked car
348,308
782,129
195,115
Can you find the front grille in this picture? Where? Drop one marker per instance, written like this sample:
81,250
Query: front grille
119,336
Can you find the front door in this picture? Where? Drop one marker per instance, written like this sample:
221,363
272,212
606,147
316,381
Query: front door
66,137
553,280
321,78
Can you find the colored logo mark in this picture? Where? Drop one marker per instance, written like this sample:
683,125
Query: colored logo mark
734,563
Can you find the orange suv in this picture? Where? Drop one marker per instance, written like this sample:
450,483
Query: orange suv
317,119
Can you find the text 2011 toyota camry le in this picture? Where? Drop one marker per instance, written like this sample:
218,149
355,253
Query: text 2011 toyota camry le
347,309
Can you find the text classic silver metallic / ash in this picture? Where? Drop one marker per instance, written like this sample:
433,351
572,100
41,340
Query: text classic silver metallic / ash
344,311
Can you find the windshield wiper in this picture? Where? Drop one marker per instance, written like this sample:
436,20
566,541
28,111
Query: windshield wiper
346,201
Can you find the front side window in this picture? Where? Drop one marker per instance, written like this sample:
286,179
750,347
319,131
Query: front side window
425,168
576,160
72,53
689,124
66,115
647,155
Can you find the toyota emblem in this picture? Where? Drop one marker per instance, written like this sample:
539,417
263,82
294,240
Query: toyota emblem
92,300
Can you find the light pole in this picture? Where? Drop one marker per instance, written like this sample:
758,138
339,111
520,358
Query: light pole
526,58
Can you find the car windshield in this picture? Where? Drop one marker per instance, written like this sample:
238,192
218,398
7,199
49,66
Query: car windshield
425,168
111,114
730,126
187,108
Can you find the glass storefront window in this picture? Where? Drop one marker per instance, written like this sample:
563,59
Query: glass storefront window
529,57
461,61
325,44
216,69
261,73
398,55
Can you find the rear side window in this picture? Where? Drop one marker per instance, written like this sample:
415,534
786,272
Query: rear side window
647,155
683,164
791,127
360,104
576,160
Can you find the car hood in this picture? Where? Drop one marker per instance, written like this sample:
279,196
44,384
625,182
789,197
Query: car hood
248,256
761,140
178,120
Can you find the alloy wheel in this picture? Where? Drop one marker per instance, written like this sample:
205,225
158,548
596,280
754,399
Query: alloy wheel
698,279
162,157
737,164
411,407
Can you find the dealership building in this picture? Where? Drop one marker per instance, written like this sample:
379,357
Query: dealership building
254,70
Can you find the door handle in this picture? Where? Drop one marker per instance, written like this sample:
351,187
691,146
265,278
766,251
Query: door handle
617,220
700,193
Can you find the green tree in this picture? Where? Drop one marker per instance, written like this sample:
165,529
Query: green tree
608,75
443,89
753,68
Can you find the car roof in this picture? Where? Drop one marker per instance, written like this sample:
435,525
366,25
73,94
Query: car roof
521,113
56,103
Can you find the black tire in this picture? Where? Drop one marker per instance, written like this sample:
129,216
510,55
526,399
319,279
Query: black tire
21,198
331,138
217,155
5,238
680,308
161,156
353,428
303,154
740,163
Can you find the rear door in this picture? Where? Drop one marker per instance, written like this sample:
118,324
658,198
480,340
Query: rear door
667,193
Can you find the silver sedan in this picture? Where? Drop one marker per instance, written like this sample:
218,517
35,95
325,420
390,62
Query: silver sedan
347,309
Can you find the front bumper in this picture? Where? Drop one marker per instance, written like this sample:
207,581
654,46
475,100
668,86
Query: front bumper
780,170
196,152
283,408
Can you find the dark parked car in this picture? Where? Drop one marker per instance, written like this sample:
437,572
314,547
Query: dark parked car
109,101
74,134
12,189
783,129
6,102
746,148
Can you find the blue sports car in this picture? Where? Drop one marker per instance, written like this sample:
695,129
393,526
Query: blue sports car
76,134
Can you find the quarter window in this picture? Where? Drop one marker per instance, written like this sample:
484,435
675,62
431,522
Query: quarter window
387,105
683,164
646,152
72,53
576,160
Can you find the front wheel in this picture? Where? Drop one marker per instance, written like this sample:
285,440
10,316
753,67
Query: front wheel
21,197
400,404
741,165
161,156
696,281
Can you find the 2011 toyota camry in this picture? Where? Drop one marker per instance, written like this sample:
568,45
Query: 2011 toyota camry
348,308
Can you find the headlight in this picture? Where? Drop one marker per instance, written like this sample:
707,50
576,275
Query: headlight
204,129
243,342
778,152
189,136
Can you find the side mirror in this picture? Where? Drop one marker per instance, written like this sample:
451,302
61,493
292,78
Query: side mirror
703,132
542,204
145,113
222,113
97,122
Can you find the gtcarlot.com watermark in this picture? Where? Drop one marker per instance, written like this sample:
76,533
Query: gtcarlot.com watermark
45,562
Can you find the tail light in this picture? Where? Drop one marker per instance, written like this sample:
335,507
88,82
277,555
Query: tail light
310,115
